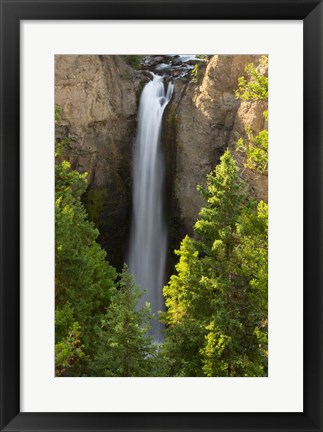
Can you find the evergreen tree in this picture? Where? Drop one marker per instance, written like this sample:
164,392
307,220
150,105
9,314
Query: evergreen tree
125,348
216,304
236,343
83,279
68,349
185,311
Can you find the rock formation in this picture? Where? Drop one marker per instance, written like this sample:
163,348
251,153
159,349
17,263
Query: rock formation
205,118
98,96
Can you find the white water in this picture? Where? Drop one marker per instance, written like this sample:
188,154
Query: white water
148,241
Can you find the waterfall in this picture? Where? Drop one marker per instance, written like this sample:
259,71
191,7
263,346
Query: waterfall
148,240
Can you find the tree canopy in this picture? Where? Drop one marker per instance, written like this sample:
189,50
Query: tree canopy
217,303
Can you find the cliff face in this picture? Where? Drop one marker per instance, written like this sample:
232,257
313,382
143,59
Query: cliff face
98,97
205,118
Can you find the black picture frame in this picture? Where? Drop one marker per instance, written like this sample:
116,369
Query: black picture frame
12,12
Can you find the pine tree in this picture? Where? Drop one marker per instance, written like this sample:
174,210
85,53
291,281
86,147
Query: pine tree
237,335
83,279
185,311
125,348
216,316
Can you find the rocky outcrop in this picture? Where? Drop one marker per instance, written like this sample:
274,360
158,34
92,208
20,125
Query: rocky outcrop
98,96
204,119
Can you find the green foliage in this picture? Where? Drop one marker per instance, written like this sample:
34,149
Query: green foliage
95,201
252,253
255,87
133,61
98,329
255,147
83,279
203,57
58,111
236,344
196,73
68,351
256,150
184,304
217,303
125,349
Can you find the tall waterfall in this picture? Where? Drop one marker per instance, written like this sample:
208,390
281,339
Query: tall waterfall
148,241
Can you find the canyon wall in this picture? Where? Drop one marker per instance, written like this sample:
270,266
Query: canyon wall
202,120
98,96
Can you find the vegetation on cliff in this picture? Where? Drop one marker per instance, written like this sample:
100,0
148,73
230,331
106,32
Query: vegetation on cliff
256,146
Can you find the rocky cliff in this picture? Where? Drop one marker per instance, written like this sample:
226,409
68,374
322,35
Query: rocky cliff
98,96
202,120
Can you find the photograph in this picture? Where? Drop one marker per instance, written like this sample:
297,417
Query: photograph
161,212
161,215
